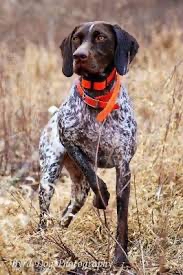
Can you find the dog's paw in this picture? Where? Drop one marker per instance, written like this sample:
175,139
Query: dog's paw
66,220
42,227
100,200
120,259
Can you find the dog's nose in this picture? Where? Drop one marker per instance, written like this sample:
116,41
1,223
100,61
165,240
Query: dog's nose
80,56
82,52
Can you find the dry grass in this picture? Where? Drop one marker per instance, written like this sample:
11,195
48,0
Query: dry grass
30,83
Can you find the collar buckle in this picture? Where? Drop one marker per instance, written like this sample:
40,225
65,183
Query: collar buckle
96,104
84,96
92,102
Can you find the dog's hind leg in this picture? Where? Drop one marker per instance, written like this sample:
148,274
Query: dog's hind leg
51,161
79,191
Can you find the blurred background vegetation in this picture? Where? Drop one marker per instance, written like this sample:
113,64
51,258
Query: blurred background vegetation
45,22
30,35
31,81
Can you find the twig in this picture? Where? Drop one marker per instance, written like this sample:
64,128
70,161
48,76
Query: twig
140,234
96,161
134,182
21,205
89,253
108,240
62,246
111,234
165,85
160,184
5,264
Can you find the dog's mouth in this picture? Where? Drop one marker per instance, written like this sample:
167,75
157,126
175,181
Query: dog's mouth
86,68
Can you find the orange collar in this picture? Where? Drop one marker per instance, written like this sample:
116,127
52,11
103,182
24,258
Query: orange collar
98,86
106,102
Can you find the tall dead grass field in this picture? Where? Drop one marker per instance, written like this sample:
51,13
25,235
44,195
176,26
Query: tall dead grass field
30,83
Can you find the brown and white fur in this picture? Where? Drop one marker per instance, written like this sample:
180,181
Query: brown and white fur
71,137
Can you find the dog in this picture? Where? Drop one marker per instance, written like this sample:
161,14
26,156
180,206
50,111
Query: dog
94,127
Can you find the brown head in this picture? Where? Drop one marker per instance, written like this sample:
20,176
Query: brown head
95,48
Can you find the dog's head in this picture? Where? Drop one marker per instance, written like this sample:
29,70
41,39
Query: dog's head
93,48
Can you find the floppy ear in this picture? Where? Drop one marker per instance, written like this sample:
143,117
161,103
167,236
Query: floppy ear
66,51
126,49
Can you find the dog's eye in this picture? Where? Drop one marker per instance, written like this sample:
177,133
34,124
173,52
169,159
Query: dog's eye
100,38
76,39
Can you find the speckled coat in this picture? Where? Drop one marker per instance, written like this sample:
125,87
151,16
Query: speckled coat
78,125
75,139
109,144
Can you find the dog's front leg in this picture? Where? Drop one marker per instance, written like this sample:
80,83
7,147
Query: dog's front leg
123,176
97,185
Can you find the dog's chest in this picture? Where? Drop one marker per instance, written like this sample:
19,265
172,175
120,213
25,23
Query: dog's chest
77,121
77,124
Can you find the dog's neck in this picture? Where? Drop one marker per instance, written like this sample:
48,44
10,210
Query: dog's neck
103,82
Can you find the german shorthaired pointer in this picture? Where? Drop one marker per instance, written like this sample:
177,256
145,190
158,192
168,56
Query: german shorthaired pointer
76,138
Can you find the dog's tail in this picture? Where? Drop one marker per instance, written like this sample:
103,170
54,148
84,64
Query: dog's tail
52,110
